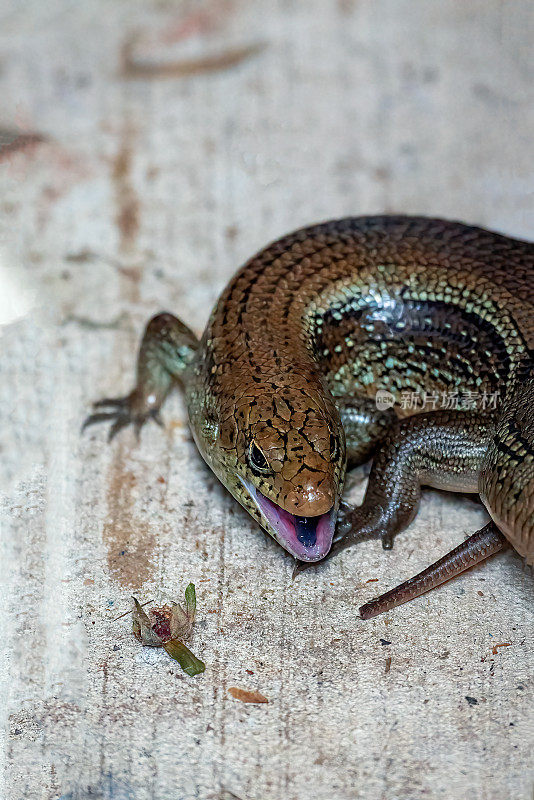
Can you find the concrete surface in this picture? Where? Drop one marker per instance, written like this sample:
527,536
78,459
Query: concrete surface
147,150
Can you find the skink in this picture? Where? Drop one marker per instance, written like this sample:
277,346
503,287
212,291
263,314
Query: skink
305,366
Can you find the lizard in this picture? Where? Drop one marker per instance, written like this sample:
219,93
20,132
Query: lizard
282,388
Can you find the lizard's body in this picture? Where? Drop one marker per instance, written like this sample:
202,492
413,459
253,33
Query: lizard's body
281,390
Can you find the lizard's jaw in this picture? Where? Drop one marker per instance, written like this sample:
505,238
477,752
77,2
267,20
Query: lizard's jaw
306,538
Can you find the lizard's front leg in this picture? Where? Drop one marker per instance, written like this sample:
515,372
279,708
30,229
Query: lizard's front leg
365,427
442,449
167,349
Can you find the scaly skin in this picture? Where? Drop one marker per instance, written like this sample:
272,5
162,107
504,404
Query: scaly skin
281,389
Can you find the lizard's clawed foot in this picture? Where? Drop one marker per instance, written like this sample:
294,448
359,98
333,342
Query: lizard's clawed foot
368,521
133,409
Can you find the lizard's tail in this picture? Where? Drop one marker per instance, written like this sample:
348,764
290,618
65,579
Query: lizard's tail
481,545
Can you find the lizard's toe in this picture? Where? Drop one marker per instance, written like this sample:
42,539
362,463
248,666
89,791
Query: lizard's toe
118,402
128,410
101,416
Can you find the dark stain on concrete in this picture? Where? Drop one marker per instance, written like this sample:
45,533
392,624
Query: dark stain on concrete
12,141
127,202
129,541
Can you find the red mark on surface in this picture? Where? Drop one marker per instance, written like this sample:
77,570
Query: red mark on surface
136,68
245,696
502,644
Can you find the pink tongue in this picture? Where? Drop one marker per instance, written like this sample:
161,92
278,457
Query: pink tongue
307,538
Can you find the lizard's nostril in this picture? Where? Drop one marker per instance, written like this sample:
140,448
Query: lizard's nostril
306,530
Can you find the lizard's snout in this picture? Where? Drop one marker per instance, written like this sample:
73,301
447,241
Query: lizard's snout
309,502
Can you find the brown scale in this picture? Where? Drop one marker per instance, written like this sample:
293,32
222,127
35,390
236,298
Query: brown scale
307,332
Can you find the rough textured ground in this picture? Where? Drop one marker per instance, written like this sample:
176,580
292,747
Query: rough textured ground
146,151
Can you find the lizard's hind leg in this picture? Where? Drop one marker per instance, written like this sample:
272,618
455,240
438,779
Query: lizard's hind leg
166,351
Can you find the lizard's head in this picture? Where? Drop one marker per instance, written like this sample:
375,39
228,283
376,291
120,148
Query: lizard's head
282,455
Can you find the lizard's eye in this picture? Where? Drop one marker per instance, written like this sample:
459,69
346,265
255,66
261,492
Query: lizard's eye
334,447
258,462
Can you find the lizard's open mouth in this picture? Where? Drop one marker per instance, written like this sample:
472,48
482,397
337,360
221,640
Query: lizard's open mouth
306,538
